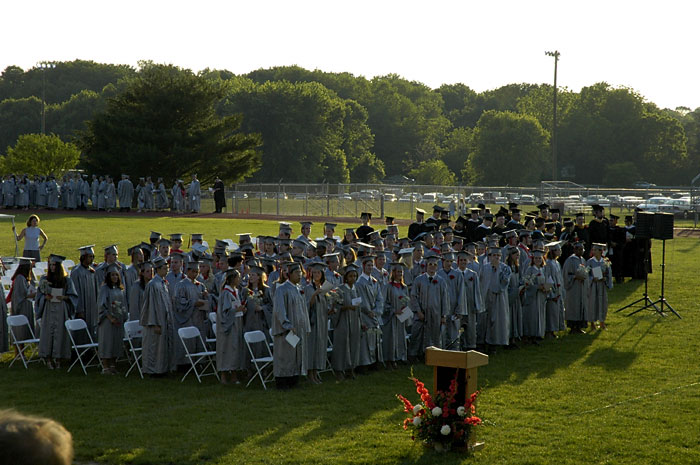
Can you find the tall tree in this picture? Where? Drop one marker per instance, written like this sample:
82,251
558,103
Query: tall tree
508,149
17,117
165,122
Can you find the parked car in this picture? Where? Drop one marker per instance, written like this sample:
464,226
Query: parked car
389,198
654,204
597,199
430,197
527,199
643,185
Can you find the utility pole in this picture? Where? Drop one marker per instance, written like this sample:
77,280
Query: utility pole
554,54
44,65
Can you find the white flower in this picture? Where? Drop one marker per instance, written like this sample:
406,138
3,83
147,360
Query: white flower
437,411
445,430
417,408
461,411
416,421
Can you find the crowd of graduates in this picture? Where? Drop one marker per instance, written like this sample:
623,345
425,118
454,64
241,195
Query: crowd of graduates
76,192
377,297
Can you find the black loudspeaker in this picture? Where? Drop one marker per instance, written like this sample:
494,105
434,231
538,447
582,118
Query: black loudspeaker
645,225
663,226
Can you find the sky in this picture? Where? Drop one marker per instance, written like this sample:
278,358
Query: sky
650,47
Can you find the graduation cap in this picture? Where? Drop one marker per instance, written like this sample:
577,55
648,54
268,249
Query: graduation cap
176,237
420,211
438,208
232,272
597,208
367,215
511,233
389,219
580,215
351,231
306,223
449,256
396,266
287,242
554,245
87,250
298,243
333,257
132,250
542,206
243,237
568,222
629,218
113,268
406,251
155,235
257,268
614,217
488,216
599,246
578,244
196,237
512,206
25,260
524,232
460,219
554,210
350,267
537,235
515,211
373,236
163,241
475,210
199,249
56,258
431,256
158,262
330,226
177,255
538,253
112,249
494,251
364,247
367,258
500,214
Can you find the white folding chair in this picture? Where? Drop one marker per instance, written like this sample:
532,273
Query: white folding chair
211,341
192,332
82,349
260,363
134,331
19,321
6,283
212,317
68,264
329,351
41,266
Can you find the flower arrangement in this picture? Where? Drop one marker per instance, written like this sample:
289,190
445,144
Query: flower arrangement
438,421
336,297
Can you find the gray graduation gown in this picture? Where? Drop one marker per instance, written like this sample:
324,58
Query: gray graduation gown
87,288
162,201
576,297
455,286
135,298
4,332
494,289
534,302
318,321
185,313
194,196
598,296
231,351
371,311
289,314
474,305
21,305
158,356
125,192
515,304
555,299
54,341
111,301
430,296
346,332
258,320
394,331
51,194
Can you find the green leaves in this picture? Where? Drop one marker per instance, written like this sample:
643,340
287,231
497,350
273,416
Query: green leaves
40,154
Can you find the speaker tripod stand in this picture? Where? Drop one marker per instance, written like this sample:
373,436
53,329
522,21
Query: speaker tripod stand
658,305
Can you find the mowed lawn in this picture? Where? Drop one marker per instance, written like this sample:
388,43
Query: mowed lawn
626,395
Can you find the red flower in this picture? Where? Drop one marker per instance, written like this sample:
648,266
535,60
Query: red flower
435,281
452,276
471,279
474,421
301,292
408,407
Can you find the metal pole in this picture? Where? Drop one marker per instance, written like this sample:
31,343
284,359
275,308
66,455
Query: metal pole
554,54
261,198
14,233
43,100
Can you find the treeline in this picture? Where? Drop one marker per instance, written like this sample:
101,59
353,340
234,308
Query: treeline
297,125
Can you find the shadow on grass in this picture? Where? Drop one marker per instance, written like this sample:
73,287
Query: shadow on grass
610,358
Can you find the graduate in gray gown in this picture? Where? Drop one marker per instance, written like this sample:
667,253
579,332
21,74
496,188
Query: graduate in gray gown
346,325
162,201
319,305
333,262
55,303
189,309
41,192
231,351
555,299
535,298
111,256
430,301
371,310
110,194
138,291
396,298
83,278
194,195
474,303
290,318
495,278
576,285
72,193
22,295
51,194
600,283
125,192
457,290
94,190
512,259
112,313
158,335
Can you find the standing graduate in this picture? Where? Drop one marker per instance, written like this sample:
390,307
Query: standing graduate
125,192
473,303
601,281
396,298
112,313
320,308
230,346
371,309
22,295
535,298
110,194
495,279
138,291
158,335
454,278
111,256
576,285
346,324
87,288
179,195
259,303
189,298
556,320
55,303
51,193
194,195
219,195
290,321
430,301
364,230
512,260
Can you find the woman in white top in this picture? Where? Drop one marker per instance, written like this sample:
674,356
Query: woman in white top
31,235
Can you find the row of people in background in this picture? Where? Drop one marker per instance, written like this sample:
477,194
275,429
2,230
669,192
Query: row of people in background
76,192
385,298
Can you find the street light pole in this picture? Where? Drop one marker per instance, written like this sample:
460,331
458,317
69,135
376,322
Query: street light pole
554,54
44,65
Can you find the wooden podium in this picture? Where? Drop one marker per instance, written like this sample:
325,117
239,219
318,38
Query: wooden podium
447,363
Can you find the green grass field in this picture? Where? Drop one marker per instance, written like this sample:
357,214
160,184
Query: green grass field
628,395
